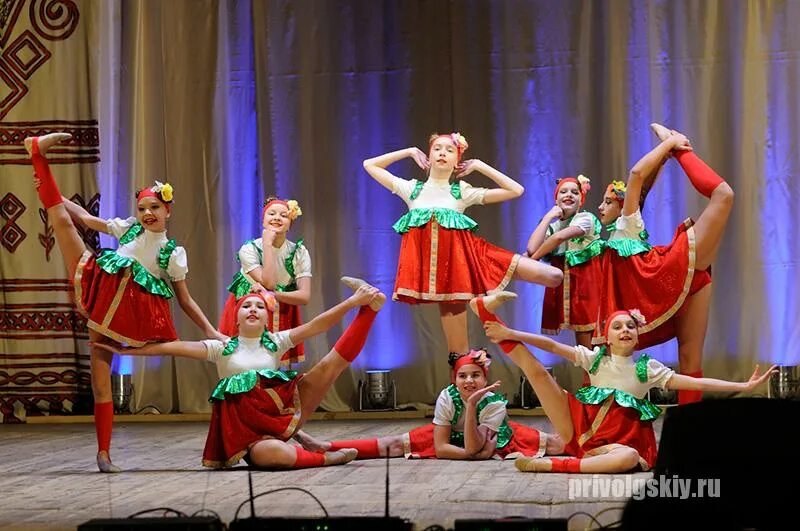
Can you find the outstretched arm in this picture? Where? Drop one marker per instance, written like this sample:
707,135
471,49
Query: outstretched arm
689,383
508,187
82,216
497,332
185,349
324,321
376,166
193,311
646,166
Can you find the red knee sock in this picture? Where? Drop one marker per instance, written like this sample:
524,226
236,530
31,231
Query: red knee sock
367,448
486,316
570,465
48,191
103,422
306,459
702,177
688,397
353,339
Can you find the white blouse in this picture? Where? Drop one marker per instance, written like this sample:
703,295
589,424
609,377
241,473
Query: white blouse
145,249
250,354
250,260
628,227
619,372
491,416
435,195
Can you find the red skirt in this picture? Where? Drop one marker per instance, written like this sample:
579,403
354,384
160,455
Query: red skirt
286,318
617,427
656,282
270,410
573,305
437,264
119,308
527,441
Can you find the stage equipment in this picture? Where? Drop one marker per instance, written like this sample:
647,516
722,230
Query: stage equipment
121,392
378,392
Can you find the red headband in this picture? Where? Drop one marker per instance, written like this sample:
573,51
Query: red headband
272,202
479,358
240,303
634,314
147,192
566,180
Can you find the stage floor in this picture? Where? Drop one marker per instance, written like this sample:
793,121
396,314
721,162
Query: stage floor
48,480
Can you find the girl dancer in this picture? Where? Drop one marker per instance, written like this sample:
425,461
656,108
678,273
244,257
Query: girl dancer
441,260
609,423
117,289
672,283
470,422
276,267
256,407
571,242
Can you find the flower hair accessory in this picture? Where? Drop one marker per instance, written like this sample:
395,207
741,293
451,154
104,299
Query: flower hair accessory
161,191
637,316
478,357
460,141
294,209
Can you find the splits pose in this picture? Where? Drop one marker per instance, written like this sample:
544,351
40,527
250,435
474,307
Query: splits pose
258,408
671,284
469,422
278,268
608,424
116,288
572,243
441,259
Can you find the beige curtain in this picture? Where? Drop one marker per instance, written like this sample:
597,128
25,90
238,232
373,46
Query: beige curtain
48,73
230,101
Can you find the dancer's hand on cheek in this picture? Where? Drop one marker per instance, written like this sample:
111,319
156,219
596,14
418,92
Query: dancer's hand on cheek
466,167
420,158
475,397
268,236
496,332
555,212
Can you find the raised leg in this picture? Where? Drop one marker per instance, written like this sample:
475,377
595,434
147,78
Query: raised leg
454,325
537,272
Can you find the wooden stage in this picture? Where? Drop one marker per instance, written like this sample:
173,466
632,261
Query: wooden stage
48,478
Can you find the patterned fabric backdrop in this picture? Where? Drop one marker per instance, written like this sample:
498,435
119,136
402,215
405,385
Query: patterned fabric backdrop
44,365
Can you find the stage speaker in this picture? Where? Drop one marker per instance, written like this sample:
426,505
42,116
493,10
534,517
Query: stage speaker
511,523
722,464
339,523
169,523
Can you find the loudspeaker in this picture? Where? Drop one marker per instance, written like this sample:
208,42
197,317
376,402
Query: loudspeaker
511,523
722,464
178,523
344,523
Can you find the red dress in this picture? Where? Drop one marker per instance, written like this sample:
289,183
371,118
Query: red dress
120,297
656,280
441,259
573,304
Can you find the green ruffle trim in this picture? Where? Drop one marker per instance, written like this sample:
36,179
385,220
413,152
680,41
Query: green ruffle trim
240,286
628,246
504,433
641,364
165,253
135,230
110,262
447,218
245,381
597,395
592,250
